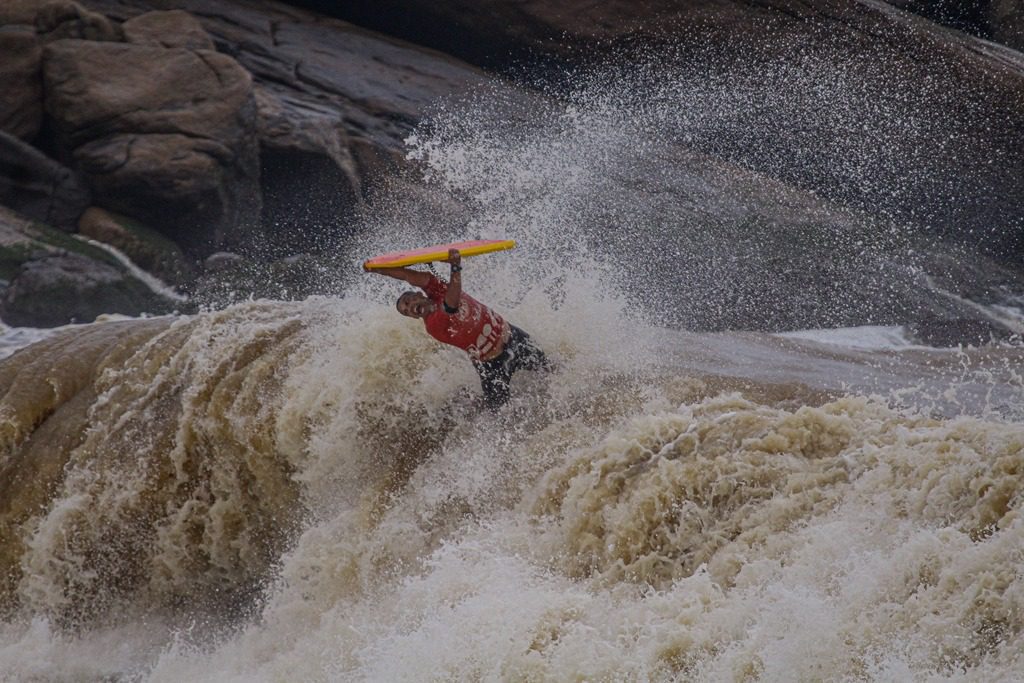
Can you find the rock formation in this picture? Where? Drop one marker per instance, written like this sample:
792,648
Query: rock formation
251,127
38,186
266,130
50,278
21,108
969,170
166,135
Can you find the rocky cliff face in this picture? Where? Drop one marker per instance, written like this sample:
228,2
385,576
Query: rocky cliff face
998,20
251,127
266,130
975,88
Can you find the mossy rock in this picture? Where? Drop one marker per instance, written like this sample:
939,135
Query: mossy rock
60,289
53,278
22,240
147,248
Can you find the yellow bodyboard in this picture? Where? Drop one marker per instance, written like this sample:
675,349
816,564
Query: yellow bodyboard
437,252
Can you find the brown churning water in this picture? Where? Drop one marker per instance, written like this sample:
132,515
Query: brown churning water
304,491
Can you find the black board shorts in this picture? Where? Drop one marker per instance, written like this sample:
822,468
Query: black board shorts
520,353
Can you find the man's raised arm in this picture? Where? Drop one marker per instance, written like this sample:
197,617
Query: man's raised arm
453,295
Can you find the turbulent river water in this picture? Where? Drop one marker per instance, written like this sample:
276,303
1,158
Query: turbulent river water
306,491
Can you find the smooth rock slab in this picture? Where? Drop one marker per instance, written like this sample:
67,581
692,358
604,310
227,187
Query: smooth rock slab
166,135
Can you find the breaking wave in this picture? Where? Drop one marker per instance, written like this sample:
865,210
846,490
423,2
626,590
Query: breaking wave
305,491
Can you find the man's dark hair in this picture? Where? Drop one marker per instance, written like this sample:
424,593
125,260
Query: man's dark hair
400,297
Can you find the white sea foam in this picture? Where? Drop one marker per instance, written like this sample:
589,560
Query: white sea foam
865,337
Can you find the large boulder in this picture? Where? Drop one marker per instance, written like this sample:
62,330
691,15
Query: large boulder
49,278
21,107
166,135
335,103
39,187
57,19
174,28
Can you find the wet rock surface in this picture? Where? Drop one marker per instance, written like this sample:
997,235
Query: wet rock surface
268,130
39,187
147,248
71,288
970,175
1007,20
162,134
998,20
21,107
50,278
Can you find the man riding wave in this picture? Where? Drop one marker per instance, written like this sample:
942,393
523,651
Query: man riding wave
497,348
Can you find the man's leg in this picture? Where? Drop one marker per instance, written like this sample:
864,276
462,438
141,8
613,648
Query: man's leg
494,380
525,355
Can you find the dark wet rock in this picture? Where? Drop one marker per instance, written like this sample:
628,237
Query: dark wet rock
309,202
998,20
971,17
729,249
59,19
147,248
922,122
21,107
165,135
229,278
39,187
945,332
223,261
174,28
334,104
60,289
54,279
1006,18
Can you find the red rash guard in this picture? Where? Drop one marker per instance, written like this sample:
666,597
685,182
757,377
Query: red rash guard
474,328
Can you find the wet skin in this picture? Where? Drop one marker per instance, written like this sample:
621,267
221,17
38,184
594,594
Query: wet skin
415,305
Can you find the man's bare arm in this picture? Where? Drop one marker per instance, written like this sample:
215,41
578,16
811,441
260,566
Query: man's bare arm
453,296
416,278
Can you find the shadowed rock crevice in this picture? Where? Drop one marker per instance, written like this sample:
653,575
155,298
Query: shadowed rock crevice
39,187
308,202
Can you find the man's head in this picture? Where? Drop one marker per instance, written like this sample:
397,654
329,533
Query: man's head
414,305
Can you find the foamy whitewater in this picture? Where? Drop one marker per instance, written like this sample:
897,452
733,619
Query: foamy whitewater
305,491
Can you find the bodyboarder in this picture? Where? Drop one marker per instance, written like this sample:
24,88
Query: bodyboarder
496,348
